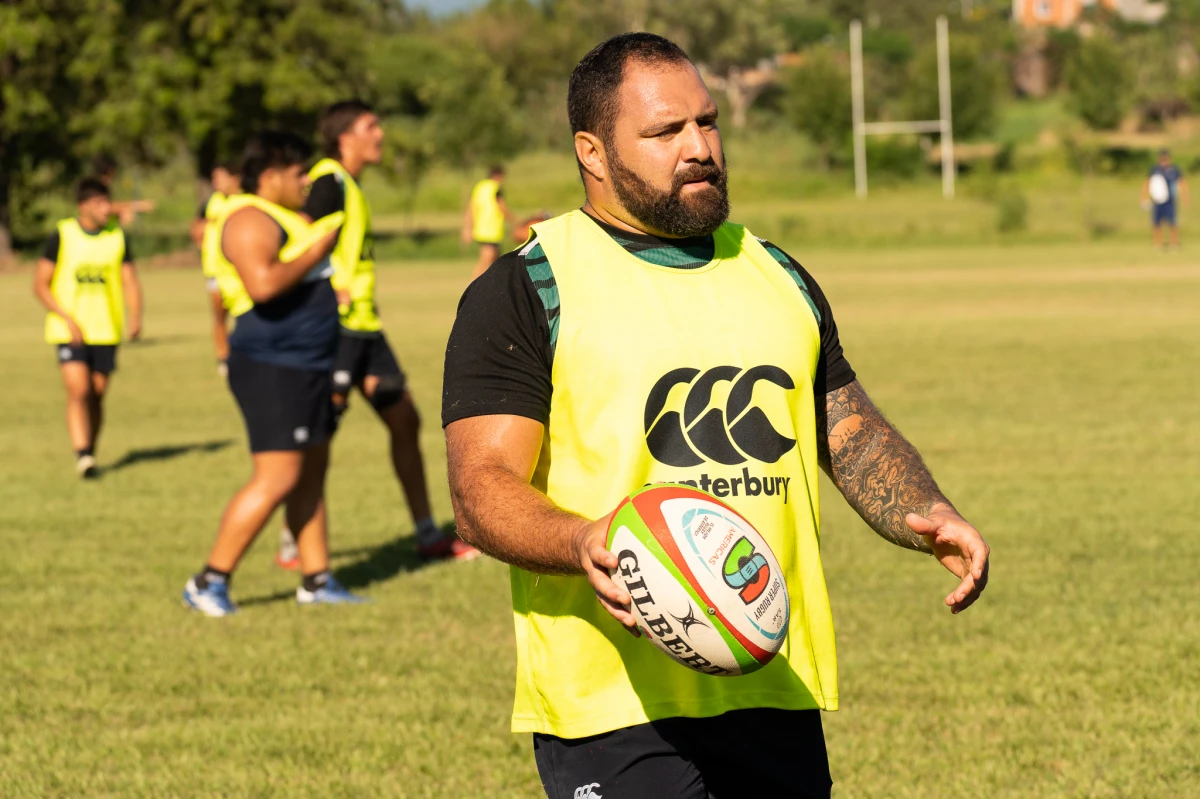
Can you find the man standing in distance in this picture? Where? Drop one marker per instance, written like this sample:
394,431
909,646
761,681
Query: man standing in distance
352,138
86,281
1165,189
484,222
275,277
225,183
556,408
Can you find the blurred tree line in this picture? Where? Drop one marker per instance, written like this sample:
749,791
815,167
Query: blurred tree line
151,82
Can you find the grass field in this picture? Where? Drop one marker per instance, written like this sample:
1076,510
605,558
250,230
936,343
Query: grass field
1051,389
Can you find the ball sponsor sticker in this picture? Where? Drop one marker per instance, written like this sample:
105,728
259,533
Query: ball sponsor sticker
728,556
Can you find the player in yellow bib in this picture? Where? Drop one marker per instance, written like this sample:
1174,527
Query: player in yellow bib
86,281
274,274
352,139
645,339
225,183
484,221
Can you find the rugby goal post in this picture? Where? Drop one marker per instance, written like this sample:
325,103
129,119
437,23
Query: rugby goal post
942,125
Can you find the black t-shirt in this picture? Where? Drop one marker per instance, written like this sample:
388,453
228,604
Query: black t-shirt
326,196
50,249
501,349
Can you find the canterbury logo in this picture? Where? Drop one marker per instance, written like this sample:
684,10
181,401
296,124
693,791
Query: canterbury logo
91,275
588,791
731,435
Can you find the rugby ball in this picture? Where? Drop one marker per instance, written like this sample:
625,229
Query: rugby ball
704,586
1160,190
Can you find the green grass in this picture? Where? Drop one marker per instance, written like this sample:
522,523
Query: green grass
1052,390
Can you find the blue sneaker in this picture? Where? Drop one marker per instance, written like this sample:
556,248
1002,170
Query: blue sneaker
331,593
212,601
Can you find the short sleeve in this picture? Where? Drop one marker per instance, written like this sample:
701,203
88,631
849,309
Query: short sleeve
325,197
833,370
128,259
499,356
202,211
50,249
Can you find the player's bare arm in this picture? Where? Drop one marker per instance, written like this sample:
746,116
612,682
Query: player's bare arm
884,479
491,461
133,298
468,225
43,275
196,231
251,240
508,215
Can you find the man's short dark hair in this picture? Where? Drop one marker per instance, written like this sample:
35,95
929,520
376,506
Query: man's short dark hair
592,91
228,164
104,165
271,149
89,188
336,120
495,171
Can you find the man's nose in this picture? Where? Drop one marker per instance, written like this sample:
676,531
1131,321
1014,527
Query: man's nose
695,146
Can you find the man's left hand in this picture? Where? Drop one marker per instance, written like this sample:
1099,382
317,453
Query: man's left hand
960,548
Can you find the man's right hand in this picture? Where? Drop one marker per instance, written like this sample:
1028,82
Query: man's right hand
595,559
324,245
75,331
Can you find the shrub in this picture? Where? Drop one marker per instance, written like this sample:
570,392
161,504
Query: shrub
1099,82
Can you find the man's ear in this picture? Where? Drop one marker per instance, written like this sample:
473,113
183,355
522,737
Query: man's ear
590,152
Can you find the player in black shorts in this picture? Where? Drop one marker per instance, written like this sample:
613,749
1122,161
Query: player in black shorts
352,138
86,281
280,356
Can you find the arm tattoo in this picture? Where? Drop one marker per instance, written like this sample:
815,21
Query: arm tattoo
879,473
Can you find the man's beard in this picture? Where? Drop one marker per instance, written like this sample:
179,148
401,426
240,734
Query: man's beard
667,212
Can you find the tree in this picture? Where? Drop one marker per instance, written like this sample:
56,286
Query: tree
1099,82
447,104
41,42
214,71
734,40
975,82
817,99
142,79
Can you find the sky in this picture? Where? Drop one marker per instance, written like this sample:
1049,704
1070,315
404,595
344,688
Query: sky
442,6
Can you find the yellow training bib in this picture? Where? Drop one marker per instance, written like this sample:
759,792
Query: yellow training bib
87,284
210,244
702,376
353,258
485,212
300,236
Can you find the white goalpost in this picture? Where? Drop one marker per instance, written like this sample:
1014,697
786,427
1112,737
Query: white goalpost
942,125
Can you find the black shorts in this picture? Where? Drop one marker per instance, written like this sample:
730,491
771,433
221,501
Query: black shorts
760,752
101,358
359,356
284,409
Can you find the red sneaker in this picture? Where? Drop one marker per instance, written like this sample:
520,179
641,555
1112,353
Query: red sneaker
450,547
287,557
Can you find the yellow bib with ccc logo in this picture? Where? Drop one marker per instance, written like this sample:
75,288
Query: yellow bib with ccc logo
701,376
87,284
